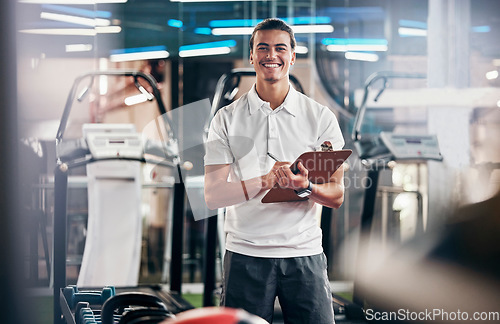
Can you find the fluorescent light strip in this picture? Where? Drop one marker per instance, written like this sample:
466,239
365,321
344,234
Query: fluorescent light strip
205,52
134,100
210,0
232,31
73,31
77,11
412,24
108,29
226,43
125,57
406,31
72,2
75,20
299,49
312,29
61,31
302,29
175,23
253,22
368,57
492,75
359,48
78,48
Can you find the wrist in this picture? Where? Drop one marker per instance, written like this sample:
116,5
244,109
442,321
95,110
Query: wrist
305,192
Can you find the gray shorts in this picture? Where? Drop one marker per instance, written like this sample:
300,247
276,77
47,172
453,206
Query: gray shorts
301,285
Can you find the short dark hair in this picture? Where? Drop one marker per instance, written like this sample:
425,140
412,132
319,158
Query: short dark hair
273,24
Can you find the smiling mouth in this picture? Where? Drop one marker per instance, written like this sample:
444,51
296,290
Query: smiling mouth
271,65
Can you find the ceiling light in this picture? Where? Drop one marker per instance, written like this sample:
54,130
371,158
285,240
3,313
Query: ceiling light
77,11
301,29
108,29
139,53
75,20
492,75
72,2
232,31
61,31
210,0
358,56
175,23
299,49
406,31
312,29
205,52
355,44
78,48
253,22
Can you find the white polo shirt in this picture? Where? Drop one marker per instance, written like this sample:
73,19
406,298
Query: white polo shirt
241,134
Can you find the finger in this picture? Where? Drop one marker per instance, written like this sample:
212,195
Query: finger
302,169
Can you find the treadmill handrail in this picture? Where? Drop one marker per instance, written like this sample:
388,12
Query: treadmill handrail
385,75
133,73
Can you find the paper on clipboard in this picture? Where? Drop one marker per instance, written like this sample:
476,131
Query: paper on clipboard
321,166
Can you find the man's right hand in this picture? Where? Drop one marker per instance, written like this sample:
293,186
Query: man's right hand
269,180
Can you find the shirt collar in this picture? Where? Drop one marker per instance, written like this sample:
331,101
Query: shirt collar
256,103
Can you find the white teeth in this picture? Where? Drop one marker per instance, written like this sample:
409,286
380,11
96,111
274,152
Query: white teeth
271,65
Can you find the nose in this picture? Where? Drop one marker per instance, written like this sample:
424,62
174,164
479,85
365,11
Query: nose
271,53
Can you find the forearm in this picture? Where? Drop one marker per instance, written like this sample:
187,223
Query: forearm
223,193
330,194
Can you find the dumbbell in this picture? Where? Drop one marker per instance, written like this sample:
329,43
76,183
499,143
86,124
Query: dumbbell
73,295
125,300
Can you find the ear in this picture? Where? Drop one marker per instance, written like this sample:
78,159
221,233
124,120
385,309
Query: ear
292,61
251,57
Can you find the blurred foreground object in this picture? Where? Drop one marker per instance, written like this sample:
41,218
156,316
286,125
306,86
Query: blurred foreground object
452,274
219,315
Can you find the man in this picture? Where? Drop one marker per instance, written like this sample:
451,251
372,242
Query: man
273,249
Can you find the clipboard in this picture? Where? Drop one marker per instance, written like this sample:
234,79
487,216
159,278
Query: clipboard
321,166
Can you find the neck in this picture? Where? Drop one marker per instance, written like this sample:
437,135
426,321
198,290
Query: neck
272,92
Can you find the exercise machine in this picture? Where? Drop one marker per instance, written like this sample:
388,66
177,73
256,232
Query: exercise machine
108,146
377,152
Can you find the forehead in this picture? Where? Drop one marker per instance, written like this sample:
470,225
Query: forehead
272,37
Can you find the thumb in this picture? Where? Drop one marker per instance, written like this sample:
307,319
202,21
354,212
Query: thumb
302,169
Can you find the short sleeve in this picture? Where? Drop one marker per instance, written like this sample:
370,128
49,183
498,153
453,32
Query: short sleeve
217,150
329,130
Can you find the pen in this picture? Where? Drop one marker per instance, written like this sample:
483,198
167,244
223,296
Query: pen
273,157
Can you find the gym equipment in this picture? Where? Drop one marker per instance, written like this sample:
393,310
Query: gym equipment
377,152
74,296
123,307
81,152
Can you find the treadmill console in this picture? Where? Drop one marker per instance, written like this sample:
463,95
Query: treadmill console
412,147
113,141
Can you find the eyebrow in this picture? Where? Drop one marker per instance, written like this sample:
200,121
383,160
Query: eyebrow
280,44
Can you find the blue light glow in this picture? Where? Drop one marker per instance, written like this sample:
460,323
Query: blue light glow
203,31
354,41
77,11
139,49
175,23
481,29
412,24
253,22
226,43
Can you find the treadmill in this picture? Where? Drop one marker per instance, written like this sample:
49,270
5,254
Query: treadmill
72,153
377,152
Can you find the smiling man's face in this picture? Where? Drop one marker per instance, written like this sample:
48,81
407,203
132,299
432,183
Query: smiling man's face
272,55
